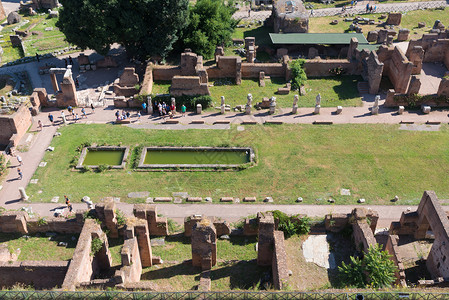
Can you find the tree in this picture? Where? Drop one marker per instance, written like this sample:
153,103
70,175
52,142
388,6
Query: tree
210,25
299,76
375,270
144,27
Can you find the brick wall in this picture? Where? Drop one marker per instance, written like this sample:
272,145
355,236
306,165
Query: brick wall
147,84
165,72
393,249
279,263
38,274
131,269
363,236
16,124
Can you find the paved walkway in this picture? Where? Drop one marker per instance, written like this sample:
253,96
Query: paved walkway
359,9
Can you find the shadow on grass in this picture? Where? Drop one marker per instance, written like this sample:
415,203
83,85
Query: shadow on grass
185,269
347,89
242,240
261,35
177,238
242,274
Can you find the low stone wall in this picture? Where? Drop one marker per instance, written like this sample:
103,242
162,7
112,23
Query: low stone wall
320,67
393,249
104,148
106,212
84,266
165,73
440,99
147,83
36,274
396,66
252,70
156,225
131,269
188,86
279,263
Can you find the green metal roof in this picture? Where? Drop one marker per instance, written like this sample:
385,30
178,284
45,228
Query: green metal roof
368,47
316,38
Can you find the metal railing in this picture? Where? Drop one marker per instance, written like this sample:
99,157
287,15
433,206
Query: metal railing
219,295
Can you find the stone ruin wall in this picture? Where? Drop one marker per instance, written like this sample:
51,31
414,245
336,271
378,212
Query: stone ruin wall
131,269
221,226
396,66
393,250
14,126
38,274
147,83
279,263
83,265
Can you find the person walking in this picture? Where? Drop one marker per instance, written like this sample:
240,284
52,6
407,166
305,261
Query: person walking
39,125
19,160
77,83
67,202
20,173
92,107
50,118
83,112
183,110
138,115
37,57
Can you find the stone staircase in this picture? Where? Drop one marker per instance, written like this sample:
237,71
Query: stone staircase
363,87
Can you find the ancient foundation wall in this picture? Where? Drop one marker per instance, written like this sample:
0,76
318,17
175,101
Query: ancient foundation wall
446,59
165,73
14,126
221,226
363,235
393,249
396,66
252,70
436,51
131,269
84,264
156,225
189,86
319,67
279,263
147,83
37,274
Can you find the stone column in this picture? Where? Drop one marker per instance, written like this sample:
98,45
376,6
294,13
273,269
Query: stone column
248,104
204,245
272,106
317,109
23,195
149,105
318,100
266,239
54,82
375,109
199,109
222,107
295,105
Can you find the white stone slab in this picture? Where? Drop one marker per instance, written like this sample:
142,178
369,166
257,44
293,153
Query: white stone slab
316,250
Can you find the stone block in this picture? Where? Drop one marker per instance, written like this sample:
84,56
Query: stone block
426,109
403,34
401,110
372,36
194,199
249,199
227,199
163,199
421,24
394,19
339,110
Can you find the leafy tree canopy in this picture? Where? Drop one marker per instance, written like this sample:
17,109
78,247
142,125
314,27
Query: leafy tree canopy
210,25
299,76
144,27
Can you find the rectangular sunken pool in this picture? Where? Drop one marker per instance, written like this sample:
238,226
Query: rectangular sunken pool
195,157
113,156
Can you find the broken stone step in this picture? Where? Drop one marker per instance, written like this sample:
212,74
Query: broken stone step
171,122
222,122
194,199
249,199
274,122
322,123
226,199
163,199
249,123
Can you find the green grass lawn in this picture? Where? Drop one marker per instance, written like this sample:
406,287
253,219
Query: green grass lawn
43,42
39,247
340,3
334,91
409,20
375,162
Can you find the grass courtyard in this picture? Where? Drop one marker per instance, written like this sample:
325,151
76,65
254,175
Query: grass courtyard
375,162
336,90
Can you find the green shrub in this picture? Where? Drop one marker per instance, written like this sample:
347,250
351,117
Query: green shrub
121,219
189,101
2,164
291,225
95,246
102,168
299,76
173,226
41,222
374,270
